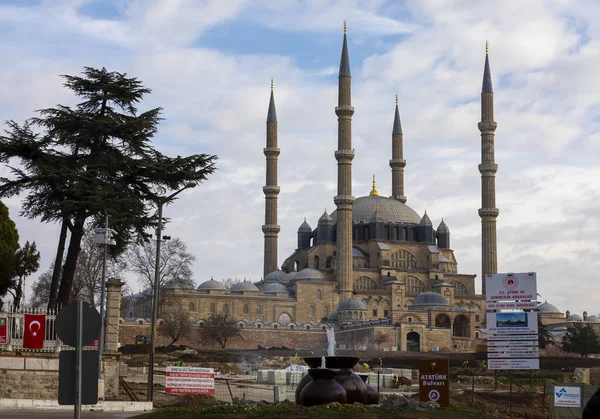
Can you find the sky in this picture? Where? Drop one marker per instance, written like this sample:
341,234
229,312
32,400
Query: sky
209,65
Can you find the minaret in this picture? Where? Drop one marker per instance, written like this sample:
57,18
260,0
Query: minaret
488,167
397,163
271,190
344,198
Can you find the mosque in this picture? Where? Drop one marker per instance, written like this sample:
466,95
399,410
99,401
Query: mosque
374,260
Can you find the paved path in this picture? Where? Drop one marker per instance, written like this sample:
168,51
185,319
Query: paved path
64,415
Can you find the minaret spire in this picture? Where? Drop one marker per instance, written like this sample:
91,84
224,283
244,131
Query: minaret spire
271,190
488,168
397,163
344,155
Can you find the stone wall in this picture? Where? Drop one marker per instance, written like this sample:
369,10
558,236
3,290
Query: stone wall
36,376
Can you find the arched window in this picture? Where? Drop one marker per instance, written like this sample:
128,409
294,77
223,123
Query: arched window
364,283
225,308
442,320
259,309
355,315
414,286
461,326
374,311
460,288
312,311
246,309
212,307
325,311
403,260
191,307
284,319
316,262
318,294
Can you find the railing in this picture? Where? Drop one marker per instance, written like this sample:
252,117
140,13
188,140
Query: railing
15,327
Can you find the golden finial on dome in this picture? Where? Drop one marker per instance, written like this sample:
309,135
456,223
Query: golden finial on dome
272,85
325,210
374,191
486,47
344,26
396,99
304,219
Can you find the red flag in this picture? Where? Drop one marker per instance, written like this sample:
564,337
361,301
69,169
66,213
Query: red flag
35,327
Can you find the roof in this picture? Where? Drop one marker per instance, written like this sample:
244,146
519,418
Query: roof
275,276
546,307
309,273
212,285
574,318
397,130
352,304
444,258
487,77
433,249
345,61
275,287
388,209
272,115
244,286
289,277
430,298
304,227
325,219
382,246
443,228
425,221
592,319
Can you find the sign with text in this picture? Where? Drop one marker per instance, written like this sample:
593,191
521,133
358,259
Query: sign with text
567,396
3,328
511,287
514,364
511,305
512,323
190,380
434,381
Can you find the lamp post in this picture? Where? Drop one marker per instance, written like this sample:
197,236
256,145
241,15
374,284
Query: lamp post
159,203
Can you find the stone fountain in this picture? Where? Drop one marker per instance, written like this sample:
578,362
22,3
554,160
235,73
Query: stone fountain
332,379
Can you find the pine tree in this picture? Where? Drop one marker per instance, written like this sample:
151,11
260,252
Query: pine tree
581,339
92,160
9,243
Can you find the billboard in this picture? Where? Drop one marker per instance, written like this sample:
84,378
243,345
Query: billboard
567,396
514,364
511,287
434,381
190,380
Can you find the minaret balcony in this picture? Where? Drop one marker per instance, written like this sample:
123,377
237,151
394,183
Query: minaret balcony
344,155
485,168
271,229
271,190
271,151
487,127
344,110
397,163
488,212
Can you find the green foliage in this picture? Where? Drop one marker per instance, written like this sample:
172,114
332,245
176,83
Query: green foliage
95,159
581,339
27,262
9,243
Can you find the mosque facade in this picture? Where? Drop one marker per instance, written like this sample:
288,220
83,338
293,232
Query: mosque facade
374,260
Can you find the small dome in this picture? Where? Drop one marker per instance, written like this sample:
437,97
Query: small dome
425,221
325,219
212,285
275,276
309,273
574,318
548,308
333,316
430,298
443,228
244,286
593,319
275,287
304,227
289,277
352,304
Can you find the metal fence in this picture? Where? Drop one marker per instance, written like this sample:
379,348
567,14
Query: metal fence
15,328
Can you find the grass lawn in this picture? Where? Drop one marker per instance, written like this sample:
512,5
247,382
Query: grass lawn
292,411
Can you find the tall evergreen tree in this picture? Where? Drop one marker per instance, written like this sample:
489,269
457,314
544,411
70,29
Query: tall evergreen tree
581,339
92,160
9,243
27,262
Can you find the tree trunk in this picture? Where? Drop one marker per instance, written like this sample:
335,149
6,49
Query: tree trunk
71,262
18,293
60,251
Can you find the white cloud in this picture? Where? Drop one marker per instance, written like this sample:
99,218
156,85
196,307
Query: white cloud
543,56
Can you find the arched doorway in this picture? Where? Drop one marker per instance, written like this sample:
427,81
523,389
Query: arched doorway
442,320
461,326
413,342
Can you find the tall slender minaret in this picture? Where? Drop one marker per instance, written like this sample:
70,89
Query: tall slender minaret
397,163
271,190
488,167
344,198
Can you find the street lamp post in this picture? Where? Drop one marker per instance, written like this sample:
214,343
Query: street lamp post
159,202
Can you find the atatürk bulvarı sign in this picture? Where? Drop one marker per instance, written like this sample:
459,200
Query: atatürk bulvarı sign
434,383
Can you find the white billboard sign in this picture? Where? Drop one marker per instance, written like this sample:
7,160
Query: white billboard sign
514,364
190,380
511,287
512,323
567,396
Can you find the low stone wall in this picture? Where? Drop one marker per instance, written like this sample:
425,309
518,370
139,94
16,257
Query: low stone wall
36,376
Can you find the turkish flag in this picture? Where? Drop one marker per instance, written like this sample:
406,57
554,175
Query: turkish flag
35,327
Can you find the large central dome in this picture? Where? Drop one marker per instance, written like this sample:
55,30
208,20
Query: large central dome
388,209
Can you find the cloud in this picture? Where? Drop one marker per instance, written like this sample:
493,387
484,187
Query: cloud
543,56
